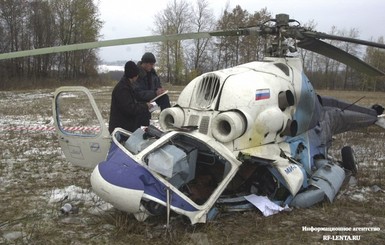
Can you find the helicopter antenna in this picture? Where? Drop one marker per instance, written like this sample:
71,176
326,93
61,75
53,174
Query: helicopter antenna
355,102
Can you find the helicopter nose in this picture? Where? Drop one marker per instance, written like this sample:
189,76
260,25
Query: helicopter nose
118,186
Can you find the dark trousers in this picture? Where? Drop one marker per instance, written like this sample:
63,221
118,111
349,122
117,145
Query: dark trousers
163,102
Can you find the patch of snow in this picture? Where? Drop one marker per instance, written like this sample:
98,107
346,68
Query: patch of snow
13,235
74,193
358,197
108,68
71,193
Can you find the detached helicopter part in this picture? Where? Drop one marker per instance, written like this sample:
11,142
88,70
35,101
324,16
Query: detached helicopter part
326,181
308,198
328,177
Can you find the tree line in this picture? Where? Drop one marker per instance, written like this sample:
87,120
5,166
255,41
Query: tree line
44,23
180,61
32,24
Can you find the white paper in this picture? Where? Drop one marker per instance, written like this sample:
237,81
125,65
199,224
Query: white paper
154,107
264,204
157,97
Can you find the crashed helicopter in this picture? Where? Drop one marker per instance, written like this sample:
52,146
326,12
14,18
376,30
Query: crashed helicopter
255,130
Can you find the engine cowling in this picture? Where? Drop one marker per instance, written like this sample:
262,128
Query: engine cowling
228,126
285,99
171,117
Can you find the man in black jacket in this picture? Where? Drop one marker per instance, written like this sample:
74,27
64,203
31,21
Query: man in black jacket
148,83
126,112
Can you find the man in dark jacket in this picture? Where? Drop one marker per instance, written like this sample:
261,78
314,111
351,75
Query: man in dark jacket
126,112
148,83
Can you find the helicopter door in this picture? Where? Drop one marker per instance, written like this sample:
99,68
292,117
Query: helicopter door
82,132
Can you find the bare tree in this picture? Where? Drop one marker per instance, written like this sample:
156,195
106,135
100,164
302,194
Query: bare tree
13,14
327,66
35,24
77,22
375,57
232,51
175,19
41,26
351,48
197,51
229,47
253,47
308,56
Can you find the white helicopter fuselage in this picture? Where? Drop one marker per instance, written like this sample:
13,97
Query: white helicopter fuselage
246,106
267,111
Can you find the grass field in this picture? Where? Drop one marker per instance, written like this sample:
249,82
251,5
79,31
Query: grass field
36,180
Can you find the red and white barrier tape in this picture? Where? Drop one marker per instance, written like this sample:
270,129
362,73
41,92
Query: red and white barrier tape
82,129
49,128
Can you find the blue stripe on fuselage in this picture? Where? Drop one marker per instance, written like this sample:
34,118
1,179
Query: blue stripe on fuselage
121,170
305,112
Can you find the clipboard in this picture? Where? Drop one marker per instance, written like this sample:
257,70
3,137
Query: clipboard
165,92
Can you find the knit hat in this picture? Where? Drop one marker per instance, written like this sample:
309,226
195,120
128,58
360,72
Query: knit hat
148,58
131,69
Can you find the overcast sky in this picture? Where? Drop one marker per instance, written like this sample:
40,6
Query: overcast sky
124,19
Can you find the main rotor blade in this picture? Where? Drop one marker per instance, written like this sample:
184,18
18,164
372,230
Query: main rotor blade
123,41
337,54
322,35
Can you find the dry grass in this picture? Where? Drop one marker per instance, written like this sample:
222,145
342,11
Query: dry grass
32,167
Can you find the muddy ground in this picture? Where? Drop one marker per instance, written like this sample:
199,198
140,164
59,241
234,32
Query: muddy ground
36,180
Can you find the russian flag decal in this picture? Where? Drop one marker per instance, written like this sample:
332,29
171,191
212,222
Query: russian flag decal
262,94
